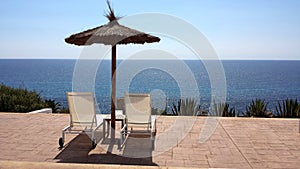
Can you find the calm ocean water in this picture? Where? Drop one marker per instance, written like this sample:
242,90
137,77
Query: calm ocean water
245,80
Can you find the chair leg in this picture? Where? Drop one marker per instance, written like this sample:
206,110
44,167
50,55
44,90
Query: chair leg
61,140
152,144
120,141
108,128
94,143
93,135
104,129
119,144
123,133
152,141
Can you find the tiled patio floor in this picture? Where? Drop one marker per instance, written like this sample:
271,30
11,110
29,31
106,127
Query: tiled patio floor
235,143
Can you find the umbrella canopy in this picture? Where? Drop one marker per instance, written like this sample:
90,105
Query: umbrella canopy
111,34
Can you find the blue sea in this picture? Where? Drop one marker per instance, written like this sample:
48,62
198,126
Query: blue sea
272,81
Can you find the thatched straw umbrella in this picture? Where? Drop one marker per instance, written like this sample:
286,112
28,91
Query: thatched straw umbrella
111,34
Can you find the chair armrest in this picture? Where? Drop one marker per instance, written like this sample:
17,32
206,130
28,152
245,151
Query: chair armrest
66,128
123,128
97,126
153,123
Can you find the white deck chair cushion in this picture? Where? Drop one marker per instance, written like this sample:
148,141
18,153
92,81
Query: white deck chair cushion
82,108
138,108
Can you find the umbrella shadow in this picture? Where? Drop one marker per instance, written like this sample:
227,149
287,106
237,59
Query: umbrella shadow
136,151
137,147
79,150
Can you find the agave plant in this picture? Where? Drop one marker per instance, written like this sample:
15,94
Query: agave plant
186,107
176,107
222,109
216,109
257,108
228,112
288,108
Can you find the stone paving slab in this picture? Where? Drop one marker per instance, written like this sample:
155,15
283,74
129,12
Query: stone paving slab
232,143
43,165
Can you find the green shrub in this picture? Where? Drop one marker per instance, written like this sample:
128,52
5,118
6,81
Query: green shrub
23,100
19,100
63,110
257,108
55,106
289,108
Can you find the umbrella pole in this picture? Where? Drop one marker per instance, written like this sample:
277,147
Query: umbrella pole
113,89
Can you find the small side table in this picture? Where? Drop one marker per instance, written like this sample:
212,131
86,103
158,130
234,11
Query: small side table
119,117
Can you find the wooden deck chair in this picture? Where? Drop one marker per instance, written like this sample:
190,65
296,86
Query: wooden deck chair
137,108
82,116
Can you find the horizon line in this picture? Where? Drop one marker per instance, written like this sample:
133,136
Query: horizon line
152,59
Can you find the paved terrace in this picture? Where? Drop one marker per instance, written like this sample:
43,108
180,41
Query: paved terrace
235,143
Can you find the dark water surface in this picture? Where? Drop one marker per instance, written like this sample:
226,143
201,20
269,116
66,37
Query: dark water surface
245,80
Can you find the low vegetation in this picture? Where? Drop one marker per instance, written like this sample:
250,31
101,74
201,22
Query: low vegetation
289,108
222,110
23,100
188,107
185,107
176,108
156,111
257,108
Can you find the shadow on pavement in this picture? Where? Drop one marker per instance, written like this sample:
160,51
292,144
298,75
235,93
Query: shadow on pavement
135,152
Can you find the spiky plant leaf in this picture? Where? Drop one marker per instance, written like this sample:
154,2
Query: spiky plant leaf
257,108
288,108
188,107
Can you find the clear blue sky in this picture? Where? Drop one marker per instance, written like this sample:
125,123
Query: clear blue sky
238,29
